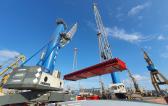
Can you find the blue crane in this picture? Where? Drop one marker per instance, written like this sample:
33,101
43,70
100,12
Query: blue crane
42,76
41,83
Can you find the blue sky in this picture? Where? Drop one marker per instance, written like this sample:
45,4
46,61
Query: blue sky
27,25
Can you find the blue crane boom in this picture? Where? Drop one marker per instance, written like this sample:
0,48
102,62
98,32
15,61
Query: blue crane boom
54,46
59,40
150,66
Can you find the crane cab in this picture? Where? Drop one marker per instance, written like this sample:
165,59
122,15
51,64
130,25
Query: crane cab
117,88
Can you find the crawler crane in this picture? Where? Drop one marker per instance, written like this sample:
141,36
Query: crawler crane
41,82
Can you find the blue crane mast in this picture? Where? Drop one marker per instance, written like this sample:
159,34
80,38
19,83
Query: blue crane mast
49,59
59,40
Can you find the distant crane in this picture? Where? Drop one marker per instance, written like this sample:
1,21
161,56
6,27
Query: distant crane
156,77
105,52
75,58
5,73
102,89
75,63
137,89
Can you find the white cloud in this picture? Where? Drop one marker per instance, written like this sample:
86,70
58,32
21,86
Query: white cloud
161,37
165,53
119,15
140,17
123,35
143,81
147,48
137,9
166,47
6,54
133,37
140,77
91,25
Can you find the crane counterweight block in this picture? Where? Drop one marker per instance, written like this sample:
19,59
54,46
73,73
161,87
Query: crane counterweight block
109,66
34,78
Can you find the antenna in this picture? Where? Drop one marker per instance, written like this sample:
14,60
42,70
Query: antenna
75,59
